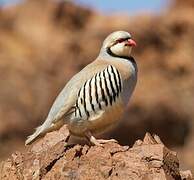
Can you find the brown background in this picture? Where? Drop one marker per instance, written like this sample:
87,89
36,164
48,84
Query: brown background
42,44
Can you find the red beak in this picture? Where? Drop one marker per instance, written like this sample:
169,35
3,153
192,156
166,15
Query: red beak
131,42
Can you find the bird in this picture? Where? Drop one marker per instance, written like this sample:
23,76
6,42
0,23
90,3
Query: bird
95,99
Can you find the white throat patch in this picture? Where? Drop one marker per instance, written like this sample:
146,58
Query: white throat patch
121,50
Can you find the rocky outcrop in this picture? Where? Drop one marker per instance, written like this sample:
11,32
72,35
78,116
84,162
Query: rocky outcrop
52,158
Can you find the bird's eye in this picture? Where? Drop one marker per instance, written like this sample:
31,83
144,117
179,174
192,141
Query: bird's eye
120,40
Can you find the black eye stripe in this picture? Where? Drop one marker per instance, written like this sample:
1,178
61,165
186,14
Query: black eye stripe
122,40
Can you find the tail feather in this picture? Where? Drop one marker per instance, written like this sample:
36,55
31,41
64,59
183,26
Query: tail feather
38,132
43,129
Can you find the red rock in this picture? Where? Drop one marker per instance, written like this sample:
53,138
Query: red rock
148,160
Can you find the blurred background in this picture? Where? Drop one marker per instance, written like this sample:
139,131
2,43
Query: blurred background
43,43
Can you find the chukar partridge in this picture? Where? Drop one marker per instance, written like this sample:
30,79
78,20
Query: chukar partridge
96,97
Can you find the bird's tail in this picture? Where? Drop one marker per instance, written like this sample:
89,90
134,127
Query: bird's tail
38,133
48,126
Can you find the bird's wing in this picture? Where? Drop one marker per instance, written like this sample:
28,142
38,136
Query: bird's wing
66,100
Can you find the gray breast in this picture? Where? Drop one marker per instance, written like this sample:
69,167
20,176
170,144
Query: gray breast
130,83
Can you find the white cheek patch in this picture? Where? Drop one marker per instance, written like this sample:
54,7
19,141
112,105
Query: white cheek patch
121,50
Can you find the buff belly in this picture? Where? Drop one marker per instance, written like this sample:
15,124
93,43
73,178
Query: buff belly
100,122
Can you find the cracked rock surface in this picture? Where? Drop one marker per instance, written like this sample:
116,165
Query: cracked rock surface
52,158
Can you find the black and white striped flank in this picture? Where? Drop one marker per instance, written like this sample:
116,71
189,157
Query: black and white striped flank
99,92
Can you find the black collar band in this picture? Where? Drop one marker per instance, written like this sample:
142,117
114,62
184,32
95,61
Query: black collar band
130,58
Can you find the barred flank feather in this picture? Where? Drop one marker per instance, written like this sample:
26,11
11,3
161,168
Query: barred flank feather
98,92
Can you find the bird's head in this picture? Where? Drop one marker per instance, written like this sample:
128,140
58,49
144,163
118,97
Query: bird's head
119,44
